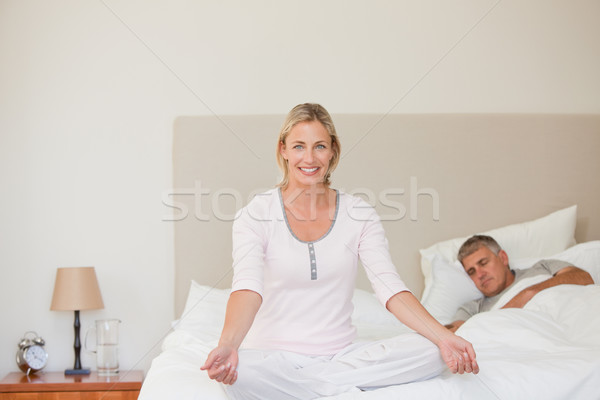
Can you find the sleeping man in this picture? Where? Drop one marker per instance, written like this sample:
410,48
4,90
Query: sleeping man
487,265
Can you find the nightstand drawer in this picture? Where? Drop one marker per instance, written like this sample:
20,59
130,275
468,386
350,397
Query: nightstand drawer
121,395
57,386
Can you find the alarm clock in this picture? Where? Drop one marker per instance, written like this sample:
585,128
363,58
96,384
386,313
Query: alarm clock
31,356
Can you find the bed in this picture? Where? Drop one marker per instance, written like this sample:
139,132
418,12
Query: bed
550,349
539,352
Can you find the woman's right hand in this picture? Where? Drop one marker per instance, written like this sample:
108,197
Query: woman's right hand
221,364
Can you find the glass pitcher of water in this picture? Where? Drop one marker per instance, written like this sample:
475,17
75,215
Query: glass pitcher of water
107,346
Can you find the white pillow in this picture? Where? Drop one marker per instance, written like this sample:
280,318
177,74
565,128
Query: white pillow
584,255
538,238
368,310
204,312
451,286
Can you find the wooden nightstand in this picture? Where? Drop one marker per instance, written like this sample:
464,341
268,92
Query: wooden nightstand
57,386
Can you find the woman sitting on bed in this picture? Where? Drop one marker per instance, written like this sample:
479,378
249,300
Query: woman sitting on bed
296,250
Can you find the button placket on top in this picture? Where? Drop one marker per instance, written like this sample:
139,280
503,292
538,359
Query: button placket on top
313,261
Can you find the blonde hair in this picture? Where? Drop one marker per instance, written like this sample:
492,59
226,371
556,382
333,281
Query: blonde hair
308,112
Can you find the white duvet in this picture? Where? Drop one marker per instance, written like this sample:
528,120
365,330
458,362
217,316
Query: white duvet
548,350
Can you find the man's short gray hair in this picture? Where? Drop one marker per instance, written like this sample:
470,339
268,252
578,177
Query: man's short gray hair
474,243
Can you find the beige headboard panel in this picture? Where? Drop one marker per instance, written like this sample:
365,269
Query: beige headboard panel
431,177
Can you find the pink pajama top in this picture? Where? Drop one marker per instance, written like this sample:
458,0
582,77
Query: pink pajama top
307,287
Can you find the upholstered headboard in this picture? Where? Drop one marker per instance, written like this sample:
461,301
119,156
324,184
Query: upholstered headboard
431,177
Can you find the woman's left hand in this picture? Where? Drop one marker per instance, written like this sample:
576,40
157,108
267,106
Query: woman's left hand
458,354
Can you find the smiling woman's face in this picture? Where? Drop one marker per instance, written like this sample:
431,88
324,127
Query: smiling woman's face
308,151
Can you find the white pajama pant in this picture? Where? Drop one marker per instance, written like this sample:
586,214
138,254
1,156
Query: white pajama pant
281,375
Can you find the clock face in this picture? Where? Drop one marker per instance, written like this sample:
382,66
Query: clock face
36,357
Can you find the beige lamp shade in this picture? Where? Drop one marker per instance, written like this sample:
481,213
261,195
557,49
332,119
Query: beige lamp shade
76,288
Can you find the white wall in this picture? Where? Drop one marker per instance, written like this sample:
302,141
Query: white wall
89,92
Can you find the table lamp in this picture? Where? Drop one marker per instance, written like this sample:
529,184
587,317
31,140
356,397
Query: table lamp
76,289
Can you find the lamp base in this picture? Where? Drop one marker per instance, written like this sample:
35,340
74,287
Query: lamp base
81,371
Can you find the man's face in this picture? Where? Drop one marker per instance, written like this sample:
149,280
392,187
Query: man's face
489,271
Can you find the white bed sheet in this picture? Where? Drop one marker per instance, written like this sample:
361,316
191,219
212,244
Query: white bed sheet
548,350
